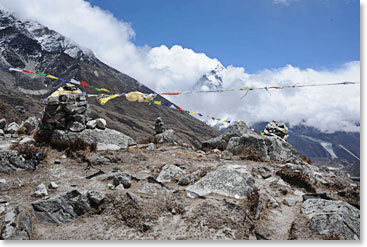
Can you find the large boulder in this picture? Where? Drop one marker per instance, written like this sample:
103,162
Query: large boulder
107,139
238,138
17,225
61,209
329,217
228,180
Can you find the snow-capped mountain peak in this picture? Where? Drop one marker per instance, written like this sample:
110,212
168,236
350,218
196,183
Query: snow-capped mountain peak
213,80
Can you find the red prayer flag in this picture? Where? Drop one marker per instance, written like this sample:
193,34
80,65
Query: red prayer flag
26,71
180,110
83,83
213,118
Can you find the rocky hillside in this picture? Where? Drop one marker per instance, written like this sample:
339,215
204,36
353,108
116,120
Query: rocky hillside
255,187
29,45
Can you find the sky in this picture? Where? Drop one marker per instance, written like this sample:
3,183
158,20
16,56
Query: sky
169,45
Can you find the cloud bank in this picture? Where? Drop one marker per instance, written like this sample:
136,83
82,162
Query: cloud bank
176,68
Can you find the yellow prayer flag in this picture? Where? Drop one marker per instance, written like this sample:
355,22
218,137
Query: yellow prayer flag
194,113
103,89
52,77
105,100
158,102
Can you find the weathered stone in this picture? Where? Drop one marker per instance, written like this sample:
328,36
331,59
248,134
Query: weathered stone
151,146
107,139
169,172
289,202
30,124
91,124
227,180
75,126
12,128
40,191
2,181
122,178
167,136
332,217
189,178
53,186
101,123
11,160
2,132
2,123
18,225
61,209
226,155
96,198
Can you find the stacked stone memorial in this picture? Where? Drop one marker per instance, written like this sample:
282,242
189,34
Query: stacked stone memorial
67,109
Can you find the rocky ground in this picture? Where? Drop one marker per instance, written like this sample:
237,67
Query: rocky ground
167,191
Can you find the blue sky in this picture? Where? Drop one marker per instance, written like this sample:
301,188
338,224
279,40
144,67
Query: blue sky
254,34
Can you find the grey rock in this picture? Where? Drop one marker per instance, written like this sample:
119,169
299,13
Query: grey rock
189,178
169,172
20,109
226,155
96,198
2,210
57,162
11,160
122,178
61,209
2,132
15,135
12,128
289,202
151,146
107,139
168,136
101,123
18,225
2,124
91,124
30,124
53,186
228,180
332,217
40,191
75,126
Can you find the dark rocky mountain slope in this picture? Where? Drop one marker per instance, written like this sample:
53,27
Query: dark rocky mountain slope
29,45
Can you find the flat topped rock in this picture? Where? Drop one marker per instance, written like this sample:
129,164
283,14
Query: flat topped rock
332,217
107,139
228,180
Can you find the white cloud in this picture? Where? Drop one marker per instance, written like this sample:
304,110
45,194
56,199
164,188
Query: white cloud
285,2
177,68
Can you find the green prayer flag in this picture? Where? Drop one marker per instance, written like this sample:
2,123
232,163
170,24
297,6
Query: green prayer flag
99,90
41,74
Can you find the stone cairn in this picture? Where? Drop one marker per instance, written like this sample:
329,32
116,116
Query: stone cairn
67,109
159,126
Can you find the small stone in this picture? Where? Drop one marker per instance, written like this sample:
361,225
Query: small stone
237,196
111,186
57,162
27,139
91,124
151,146
40,191
14,135
12,128
63,156
119,187
243,157
2,123
53,186
95,197
226,155
2,132
3,201
101,123
73,185
2,181
2,210
289,202
266,175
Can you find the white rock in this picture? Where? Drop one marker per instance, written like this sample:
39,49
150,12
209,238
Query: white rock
27,139
40,191
2,210
101,123
53,186
91,124
12,128
2,181
289,201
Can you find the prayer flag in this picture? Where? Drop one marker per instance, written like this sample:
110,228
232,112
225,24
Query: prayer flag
63,80
52,77
172,106
157,102
213,118
200,115
75,81
4,67
187,111
26,71
179,109
41,74
95,88
83,83
105,90
105,100
165,104
13,69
